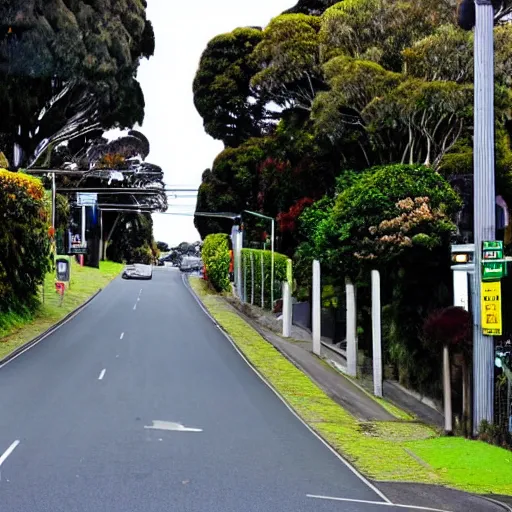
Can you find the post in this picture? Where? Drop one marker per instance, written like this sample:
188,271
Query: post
460,289
287,310
54,201
484,203
101,235
272,242
252,278
84,222
351,315
447,391
238,262
376,334
262,280
244,264
316,328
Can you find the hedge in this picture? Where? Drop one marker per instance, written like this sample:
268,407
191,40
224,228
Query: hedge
24,241
280,269
216,259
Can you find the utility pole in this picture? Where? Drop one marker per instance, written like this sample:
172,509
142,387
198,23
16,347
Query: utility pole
484,203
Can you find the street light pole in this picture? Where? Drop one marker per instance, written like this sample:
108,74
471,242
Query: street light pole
484,203
272,243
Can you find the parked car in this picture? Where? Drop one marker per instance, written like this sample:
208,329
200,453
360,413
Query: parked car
191,264
138,271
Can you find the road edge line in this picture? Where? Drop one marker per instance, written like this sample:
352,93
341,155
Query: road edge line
289,407
35,341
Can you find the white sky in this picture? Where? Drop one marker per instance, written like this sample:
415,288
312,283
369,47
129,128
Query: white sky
175,130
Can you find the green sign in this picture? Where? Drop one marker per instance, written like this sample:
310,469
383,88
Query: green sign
492,268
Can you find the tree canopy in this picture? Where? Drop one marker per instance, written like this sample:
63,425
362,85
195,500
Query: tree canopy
68,67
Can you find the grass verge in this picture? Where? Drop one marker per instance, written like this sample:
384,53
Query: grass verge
85,282
380,450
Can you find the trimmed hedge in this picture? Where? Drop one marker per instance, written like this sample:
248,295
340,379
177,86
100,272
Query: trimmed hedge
24,241
280,267
216,259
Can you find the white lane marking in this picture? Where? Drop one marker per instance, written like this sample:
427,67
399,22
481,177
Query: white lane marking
122,336
378,503
8,452
287,405
135,307
140,293
102,374
169,425
138,299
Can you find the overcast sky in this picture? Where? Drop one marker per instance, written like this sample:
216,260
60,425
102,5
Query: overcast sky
178,142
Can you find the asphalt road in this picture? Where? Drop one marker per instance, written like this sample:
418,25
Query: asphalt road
79,403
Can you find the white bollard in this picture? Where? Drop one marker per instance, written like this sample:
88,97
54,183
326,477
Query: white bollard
376,334
287,310
316,327
350,294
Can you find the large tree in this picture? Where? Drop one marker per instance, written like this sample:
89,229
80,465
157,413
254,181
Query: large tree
68,67
232,110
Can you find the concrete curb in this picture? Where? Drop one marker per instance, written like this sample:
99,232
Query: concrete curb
27,346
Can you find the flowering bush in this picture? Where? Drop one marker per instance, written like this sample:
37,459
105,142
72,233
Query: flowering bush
24,240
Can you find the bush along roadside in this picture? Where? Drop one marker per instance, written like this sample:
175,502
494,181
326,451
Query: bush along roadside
393,451
216,260
253,259
24,245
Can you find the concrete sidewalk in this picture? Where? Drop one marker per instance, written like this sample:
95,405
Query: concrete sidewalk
328,374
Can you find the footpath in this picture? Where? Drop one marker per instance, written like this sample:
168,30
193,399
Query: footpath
399,409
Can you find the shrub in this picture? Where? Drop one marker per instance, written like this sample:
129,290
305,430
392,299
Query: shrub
216,259
24,241
280,263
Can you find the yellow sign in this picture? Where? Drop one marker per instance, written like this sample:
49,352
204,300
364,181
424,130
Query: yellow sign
491,308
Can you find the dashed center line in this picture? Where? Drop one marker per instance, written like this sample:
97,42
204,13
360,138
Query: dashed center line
122,336
8,452
102,374
135,307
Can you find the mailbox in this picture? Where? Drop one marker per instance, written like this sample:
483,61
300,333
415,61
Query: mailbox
63,268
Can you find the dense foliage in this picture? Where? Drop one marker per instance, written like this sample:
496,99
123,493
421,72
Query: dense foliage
24,241
363,151
133,241
216,259
67,68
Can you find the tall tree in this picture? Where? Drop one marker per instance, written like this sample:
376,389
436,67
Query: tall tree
231,109
289,58
68,67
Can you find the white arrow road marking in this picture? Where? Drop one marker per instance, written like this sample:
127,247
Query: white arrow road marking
170,426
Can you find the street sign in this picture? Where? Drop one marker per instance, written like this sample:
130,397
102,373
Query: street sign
86,199
491,308
77,246
493,266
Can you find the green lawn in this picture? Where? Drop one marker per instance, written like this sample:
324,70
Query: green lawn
380,450
85,282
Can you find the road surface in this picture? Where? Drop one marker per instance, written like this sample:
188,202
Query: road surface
140,404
